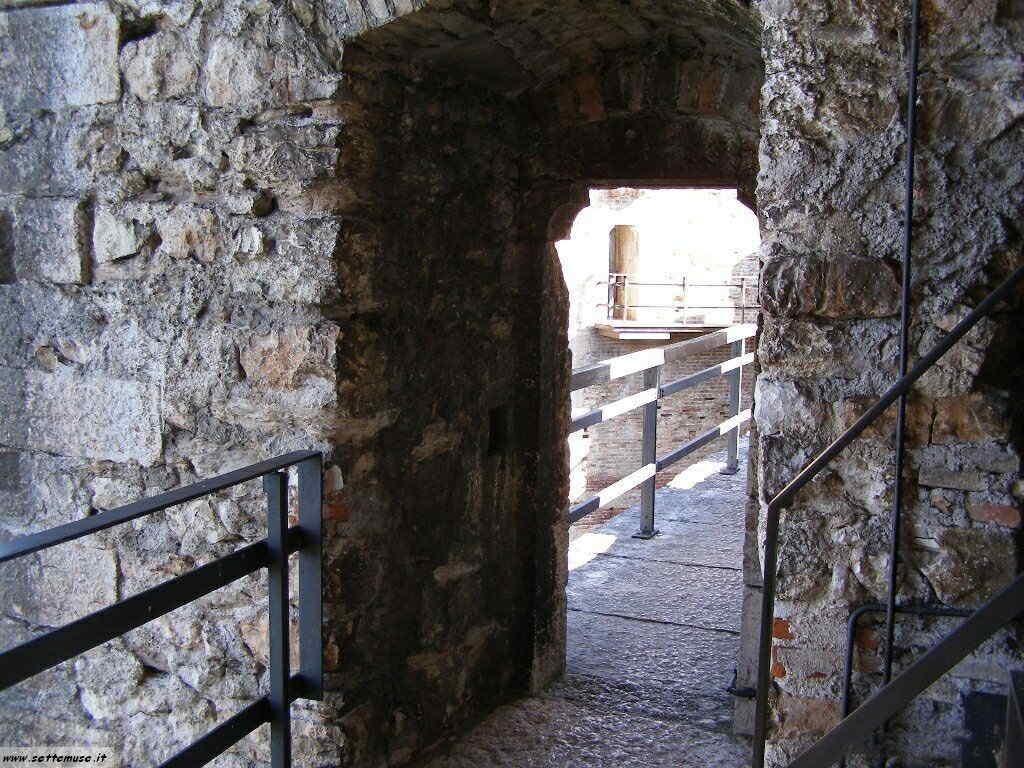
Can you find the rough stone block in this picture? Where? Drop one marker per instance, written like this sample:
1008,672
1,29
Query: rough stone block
995,513
975,417
41,157
114,237
44,240
939,477
60,57
63,584
93,417
793,285
803,716
241,72
995,460
783,406
972,565
158,66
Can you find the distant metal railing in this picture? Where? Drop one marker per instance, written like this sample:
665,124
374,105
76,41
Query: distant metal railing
650,362
619,282
41,653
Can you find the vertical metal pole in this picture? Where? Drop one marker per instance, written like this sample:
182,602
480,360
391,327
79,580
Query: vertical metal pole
649,455
684,299
764,678
311,667
901,412
732,440
743,300
276,487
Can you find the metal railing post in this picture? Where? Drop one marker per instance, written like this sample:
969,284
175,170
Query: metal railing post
311,657
743,299
732,440
649,455
276,487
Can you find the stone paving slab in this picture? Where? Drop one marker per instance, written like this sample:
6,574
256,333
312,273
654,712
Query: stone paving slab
555,733
679,542
652,637
697,506
681,594
650,669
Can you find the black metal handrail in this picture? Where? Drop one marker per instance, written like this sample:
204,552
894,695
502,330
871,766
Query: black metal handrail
786,495
34,656
650,362
897,694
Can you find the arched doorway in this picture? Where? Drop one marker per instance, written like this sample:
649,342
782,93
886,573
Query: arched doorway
470,141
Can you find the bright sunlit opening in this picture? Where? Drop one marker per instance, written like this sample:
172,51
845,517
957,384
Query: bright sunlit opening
696,473
587,546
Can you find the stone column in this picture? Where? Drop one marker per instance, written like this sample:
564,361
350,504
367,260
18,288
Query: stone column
624,258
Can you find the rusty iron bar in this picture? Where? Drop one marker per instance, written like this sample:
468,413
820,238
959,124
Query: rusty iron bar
901,406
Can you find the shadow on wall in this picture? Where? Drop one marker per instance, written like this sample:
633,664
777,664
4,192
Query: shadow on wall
477,151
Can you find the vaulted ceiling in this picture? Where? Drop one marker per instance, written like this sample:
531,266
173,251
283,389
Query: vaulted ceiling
517,45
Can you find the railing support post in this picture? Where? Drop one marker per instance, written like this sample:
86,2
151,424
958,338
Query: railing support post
276,487
732,440
311,667
649,455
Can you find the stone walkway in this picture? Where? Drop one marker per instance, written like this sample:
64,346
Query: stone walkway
653,633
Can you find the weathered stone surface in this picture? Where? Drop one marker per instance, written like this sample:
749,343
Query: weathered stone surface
56,154
829,186
977,417
190,232
938,477
116,236
971,566
44,240
159,66
299,269
992,458
795,285
89,416
60,585
273,360
806,716
786,406
240,72
53,58
1003,514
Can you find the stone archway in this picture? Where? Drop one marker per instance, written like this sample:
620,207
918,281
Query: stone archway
469,142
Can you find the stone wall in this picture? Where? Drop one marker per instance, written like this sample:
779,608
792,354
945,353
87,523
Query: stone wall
227,231
829,195
166,280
